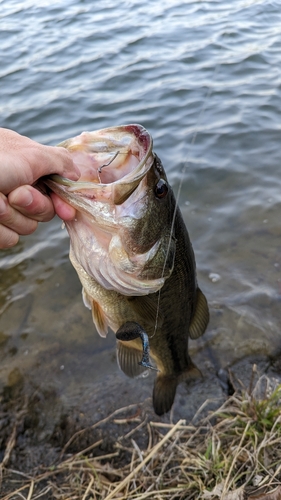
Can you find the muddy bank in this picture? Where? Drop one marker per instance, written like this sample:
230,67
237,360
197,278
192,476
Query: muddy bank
39,428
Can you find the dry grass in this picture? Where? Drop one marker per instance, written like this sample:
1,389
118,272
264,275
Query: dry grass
234,453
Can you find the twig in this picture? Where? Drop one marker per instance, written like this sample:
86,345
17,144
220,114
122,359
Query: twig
29,496
83,452
234,459
10,446
88,488
145,460
103,421
134,430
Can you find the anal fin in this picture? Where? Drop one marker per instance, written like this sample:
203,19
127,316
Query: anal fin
130,331
128,359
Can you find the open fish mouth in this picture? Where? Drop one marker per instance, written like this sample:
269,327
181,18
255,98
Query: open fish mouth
120,236
112,162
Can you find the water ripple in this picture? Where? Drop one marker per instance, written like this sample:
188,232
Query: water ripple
183,69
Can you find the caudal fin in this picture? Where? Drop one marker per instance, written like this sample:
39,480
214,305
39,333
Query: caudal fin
165,387
164,392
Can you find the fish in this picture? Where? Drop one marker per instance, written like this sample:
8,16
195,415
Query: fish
131,250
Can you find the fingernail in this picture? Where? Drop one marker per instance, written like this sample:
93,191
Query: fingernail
3,206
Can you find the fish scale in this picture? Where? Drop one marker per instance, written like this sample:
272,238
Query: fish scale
132,253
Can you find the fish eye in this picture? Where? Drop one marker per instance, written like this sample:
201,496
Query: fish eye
161,189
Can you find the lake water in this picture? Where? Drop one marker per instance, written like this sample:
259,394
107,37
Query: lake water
205,79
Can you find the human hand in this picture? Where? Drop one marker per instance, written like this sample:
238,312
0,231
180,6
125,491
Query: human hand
22,162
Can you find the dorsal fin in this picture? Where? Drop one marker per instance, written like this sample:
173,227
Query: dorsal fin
200,317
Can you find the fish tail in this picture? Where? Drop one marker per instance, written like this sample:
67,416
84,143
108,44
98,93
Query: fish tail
164,392
165,387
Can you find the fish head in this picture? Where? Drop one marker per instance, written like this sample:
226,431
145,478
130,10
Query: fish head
122,235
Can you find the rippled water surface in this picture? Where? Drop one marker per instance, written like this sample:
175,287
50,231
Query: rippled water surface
204,78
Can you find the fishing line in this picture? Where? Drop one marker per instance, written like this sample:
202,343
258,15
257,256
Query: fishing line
194,136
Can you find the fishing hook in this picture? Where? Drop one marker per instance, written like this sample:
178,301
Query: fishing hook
130,331
110,161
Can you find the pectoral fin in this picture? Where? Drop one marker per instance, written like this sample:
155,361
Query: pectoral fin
200,317
146,308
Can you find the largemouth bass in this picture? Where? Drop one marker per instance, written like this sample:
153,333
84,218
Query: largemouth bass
132,252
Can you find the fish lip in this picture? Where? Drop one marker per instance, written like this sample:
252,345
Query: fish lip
63,181
124,185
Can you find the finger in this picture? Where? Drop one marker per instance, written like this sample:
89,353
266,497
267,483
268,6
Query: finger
14,220
63,210
32,203
8,237
24,161
68,168
54,160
